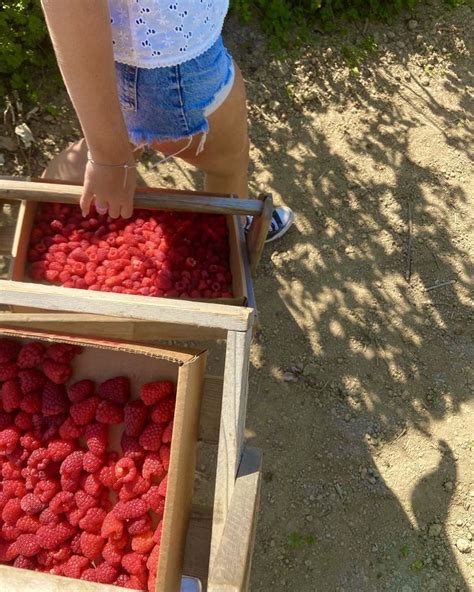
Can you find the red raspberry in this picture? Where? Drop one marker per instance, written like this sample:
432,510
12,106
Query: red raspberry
63,353
8,552
24,562
50,537
92,463
8,350
62,502
92,485
28,524
10,532
46,489
93,520
9,438
27,545
79,255
153,467
112,554
109,413
152,561
143,543
96,435
106,574
163,411
107,477
154,500
131,509
158,532
47,517
39,459
75,544
153,392
84,500
31,403
167,434
162,486
72,464
30,355
56,372
135,414
134,563
84,411
10,470
31,504
139,525
131,582
134,488
80,390
91,545
150,438
12,511
74,516
11,394
115,389
14,488
23,421
8,371
58,450
31,380
165,453
75,565
70,430
6,419
125,470
112,527
70,483
54,400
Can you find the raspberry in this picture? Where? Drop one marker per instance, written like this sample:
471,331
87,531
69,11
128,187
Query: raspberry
8,371
125,470
10,470
31,380
92,463
84,500
139,525
54,400
163,411
115,389
131,582
131,447
154,500
50,537
79,255
6,419
63,353
150,438
84,412
62,502
106,574
112,527
107,477
134,562
158,531
70,430
92,485
27,545
72,464
70,483
91,545
9,439
8,552
31,504
10,532
143,543
11,394
153,392
152,561
153,467
47,517
167,434
74,516
46,489
30,355
89,575
8,350
39,459
134,488
162,486
24,562
14,488
96,436
112,554
92,521
130,509
23,421
165,454
56,372
135,414
109,413
28,524
31,403
12,511
80,390
58,450
75,565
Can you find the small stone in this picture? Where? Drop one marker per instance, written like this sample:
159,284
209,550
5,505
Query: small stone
328,52
449,486
425,81
463,545
309,518
412,24
419,38
469,536
289,377
434,530
407,76
459,522
391,35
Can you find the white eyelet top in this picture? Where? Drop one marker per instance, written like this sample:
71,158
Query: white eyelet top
154,33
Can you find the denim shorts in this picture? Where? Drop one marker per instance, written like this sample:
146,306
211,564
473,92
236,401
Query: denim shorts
173,102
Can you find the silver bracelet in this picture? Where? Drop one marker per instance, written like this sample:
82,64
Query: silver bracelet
124,166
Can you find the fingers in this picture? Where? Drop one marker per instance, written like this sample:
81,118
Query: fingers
87,198
127,210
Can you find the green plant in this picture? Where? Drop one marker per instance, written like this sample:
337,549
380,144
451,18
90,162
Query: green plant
24,46
298,541
356,54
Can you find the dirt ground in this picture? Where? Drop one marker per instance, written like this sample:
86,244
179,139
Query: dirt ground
361,391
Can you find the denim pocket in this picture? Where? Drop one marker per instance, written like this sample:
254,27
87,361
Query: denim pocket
127,86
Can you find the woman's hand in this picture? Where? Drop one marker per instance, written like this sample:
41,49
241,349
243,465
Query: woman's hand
111,187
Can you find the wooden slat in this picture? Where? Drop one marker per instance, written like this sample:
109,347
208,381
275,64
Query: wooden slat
198,542
231,433
151,198
23,580
6,239
258,232
166,310
211,409
112,327
230,570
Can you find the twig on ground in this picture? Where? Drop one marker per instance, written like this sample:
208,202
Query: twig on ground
409,245
441,285
321,176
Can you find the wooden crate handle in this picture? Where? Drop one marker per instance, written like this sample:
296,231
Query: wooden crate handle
258,232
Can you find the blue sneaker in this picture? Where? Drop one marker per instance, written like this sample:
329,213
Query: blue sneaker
282,219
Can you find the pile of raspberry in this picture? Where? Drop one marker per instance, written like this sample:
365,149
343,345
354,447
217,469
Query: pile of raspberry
154,253
68,504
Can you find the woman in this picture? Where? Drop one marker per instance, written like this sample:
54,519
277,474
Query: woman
150,72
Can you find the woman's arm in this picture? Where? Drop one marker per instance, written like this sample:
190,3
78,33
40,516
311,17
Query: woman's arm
81,35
